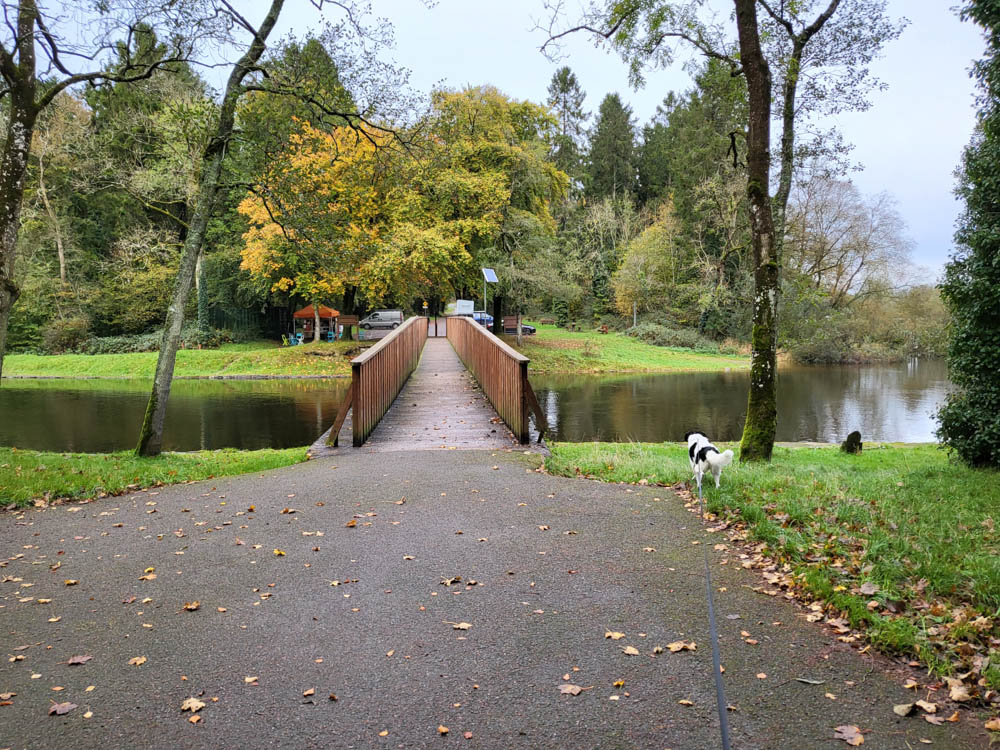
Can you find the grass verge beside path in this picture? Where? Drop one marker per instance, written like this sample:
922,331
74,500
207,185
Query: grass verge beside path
900,540
30,476
259,358
555,350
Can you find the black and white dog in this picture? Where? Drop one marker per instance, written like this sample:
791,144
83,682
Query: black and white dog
705,457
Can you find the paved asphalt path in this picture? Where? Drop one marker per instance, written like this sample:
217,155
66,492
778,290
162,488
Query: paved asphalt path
558,562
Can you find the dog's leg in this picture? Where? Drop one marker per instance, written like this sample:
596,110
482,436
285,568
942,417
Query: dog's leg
716,472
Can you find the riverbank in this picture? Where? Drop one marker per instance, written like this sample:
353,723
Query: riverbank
552,350
555,350
260,358
899,542
38,477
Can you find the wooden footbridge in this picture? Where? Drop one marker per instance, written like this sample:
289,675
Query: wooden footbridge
460,387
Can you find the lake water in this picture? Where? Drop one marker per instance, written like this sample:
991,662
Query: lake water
892,403
105,415
884,402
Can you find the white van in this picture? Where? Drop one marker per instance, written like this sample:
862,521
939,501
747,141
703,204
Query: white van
382,319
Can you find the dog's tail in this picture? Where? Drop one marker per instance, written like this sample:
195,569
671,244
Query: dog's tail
719,459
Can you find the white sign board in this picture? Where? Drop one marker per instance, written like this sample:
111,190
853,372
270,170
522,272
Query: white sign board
464,307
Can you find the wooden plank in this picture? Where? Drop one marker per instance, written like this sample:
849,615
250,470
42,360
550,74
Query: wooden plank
345,407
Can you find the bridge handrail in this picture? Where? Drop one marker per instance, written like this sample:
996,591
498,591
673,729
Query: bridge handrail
377,376
502,373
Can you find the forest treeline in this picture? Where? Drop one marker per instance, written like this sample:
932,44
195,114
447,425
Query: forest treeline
588,217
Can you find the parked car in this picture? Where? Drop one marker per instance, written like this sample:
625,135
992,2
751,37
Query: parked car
525,329
382,319
483,318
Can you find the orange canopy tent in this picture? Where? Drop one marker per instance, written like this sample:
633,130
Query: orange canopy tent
324,312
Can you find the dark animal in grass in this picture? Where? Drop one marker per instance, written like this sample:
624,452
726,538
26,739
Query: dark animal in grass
852,444
705,457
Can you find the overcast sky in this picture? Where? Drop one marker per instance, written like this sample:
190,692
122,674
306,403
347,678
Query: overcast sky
909,142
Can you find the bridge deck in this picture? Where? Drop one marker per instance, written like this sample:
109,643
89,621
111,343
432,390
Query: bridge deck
441,407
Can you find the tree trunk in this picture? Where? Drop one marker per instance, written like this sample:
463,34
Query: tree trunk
53,219
315,321
761,421
151,433
350,308
13,165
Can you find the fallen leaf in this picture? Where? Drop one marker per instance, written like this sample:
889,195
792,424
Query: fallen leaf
384,733
615,636
307,693
192,704
686,702
70,582
809,682
993,724
959,692
927,706
137,661
849,734
442,729
279,553
911,684
630,651
868,588
460,625
82,659
935,720
249,680
902,709
954,717
88,714
61,708
682,646
568,689
762,675
351,524
467,735
192,606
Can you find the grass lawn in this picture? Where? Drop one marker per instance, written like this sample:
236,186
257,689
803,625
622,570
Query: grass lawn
901,539
258,358
27,476
555,349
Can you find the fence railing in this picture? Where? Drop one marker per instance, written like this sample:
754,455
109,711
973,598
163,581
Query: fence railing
377,376
501,372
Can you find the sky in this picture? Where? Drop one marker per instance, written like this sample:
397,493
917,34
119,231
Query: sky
909,142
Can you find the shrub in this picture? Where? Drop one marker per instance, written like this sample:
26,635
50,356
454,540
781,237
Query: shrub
66,334
661,335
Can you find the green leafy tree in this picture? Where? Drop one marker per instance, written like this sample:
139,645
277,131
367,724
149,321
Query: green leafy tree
566,103
611,170
970,419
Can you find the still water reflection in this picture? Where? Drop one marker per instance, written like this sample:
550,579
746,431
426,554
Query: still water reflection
105,415
884,402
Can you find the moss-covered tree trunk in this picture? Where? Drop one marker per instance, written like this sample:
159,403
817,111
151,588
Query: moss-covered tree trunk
762,413
151,433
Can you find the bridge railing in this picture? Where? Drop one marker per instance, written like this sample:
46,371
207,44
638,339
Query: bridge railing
377,376
501,372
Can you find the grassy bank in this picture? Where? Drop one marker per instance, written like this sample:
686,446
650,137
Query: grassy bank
554,350
258,358
902,540
30,476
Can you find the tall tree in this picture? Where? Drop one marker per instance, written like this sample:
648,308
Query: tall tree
612,155
566,103
828,60
970,419
38,62
151,432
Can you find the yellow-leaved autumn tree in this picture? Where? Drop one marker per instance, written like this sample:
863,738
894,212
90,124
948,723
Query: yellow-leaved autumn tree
320,214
